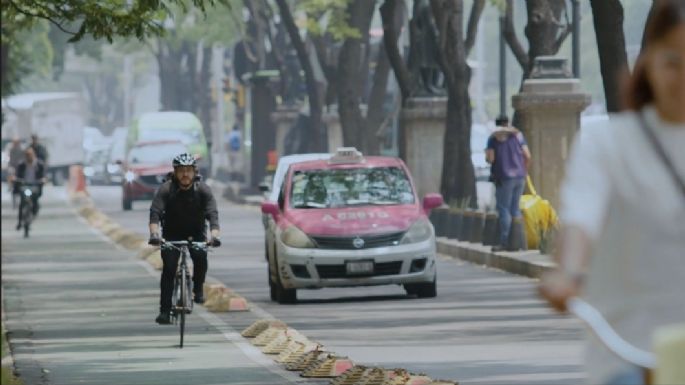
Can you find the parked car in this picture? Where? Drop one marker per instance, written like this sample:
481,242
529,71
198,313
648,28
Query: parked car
349,221
146,168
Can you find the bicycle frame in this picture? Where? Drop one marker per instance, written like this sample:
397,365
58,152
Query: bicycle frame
182,304
27,191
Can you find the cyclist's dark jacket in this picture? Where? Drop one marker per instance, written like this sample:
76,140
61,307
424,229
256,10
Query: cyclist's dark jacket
183,212
40,170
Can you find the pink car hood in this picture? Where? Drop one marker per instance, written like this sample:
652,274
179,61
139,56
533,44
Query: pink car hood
355,220
148,169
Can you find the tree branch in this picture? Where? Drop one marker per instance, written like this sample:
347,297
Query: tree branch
40,16
511,38
472,28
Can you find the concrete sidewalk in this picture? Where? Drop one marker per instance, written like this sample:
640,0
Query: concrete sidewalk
81,310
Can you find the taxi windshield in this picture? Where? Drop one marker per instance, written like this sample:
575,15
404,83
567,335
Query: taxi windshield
327,188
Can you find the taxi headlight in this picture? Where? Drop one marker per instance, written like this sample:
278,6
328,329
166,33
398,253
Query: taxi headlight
294,237
420,231
88,171
130,176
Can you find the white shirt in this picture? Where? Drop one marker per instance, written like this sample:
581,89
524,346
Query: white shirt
619,191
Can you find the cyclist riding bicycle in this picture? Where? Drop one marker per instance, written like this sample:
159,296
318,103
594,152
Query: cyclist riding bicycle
29,171
182,204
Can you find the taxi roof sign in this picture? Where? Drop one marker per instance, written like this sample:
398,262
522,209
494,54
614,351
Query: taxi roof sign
345,155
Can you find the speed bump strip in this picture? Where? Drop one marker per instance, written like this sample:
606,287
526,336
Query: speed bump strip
307,360
257,327
294,347
351,376
373,376
290,358
420,379
278,345
397,377
443,382
267,336
331,367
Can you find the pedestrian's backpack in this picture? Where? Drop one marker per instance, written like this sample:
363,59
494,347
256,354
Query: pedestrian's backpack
234,142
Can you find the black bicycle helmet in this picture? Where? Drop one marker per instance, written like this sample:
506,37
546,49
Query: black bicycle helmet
184,159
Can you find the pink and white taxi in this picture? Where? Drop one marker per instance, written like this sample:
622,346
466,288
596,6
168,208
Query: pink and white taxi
349,220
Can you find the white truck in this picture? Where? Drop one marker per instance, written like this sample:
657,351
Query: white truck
57,118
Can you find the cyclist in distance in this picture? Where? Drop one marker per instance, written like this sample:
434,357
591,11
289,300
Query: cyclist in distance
29,171
181,206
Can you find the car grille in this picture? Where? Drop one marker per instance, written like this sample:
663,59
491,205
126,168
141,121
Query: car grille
340,271
347,243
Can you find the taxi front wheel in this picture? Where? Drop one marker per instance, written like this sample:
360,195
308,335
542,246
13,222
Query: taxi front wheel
423,290
278,292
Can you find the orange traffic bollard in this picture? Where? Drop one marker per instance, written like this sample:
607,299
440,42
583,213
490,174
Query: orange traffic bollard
77,180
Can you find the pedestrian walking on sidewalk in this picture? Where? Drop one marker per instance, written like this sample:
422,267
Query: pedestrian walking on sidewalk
622,246
183,204
508,153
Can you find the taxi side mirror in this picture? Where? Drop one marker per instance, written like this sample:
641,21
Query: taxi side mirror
270,208
431,201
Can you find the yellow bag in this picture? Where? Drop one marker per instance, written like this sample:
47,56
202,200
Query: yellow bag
539,216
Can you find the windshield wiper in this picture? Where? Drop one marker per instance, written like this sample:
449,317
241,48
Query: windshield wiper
310,205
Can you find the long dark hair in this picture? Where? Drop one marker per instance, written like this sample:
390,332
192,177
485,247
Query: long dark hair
664,16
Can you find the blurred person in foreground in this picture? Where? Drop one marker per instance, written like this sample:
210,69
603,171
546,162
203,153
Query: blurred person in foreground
622,247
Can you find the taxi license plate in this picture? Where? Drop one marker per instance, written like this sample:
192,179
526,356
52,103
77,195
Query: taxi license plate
359,267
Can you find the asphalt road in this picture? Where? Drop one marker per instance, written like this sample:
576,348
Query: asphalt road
485,326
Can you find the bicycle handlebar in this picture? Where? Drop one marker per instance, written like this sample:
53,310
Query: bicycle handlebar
608,336
177,244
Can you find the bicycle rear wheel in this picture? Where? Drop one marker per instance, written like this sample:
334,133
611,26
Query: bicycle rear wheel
184,305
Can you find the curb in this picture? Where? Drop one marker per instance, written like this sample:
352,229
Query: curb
529,263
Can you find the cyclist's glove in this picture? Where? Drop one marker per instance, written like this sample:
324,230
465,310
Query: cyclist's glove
216,242
154,240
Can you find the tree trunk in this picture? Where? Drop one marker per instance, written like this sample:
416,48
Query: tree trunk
393,14
315,97
458,179
375,111
607,17
351,69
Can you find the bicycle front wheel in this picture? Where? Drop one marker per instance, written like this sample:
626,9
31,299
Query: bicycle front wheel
27,218
184,305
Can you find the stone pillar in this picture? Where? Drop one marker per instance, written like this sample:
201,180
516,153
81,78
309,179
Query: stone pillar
333,128
283,119
549,105
423,123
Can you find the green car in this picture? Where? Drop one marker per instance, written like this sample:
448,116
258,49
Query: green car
172,125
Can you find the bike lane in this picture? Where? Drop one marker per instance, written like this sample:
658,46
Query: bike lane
78,309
